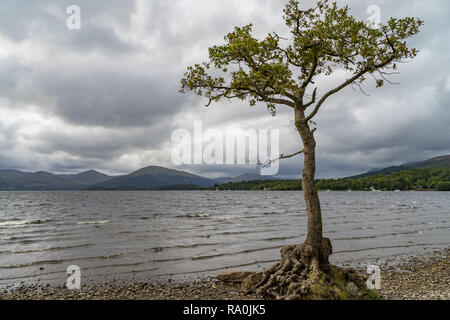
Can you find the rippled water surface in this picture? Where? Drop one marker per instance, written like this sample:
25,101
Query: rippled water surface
157,234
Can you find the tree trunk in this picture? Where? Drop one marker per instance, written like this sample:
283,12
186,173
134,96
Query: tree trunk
314,234
304,269
316,248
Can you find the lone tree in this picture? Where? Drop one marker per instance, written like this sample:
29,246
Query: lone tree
283,72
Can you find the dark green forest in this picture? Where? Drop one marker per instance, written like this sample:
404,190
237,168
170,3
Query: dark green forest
413,179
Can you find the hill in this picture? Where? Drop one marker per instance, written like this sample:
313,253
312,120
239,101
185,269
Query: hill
41,180
152,177
242,177
437,162
86,178
409,179
437,179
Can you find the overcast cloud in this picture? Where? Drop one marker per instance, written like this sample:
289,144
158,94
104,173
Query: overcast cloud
106,96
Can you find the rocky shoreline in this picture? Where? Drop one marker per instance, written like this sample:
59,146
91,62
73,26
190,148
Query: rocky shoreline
419,278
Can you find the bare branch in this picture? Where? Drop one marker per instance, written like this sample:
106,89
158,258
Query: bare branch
346,83
282,156
313,99
361,89
383,75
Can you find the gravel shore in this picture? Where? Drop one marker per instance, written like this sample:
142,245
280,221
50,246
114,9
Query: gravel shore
207,289
419,278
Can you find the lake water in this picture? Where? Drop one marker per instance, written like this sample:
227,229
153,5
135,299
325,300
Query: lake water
168,234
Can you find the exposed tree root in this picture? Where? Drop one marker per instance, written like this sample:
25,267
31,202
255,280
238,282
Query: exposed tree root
301,275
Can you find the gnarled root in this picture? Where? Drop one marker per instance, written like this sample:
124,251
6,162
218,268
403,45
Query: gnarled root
301,274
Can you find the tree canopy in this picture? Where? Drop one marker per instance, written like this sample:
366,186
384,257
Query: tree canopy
279,71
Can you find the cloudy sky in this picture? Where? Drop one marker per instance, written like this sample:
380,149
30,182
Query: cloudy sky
106,96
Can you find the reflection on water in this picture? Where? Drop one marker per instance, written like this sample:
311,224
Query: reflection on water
153,234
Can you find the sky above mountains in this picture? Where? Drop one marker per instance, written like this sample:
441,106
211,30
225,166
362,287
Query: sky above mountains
106,96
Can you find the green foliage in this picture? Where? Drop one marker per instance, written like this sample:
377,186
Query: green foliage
247,185
277,71
280,185
443,186
412,179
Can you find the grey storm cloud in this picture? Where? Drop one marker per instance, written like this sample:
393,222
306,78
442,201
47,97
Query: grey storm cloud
106,96
111,98
20,19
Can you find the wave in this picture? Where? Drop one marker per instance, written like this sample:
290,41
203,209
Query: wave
45,204
282,238
226,217
182,246
59,261
273,212
232,253
195,215
48,248
392,247
93,222
23,265
25,240
244,232
230,217
23,222
216,269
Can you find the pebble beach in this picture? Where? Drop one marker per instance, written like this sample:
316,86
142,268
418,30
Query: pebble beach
418,278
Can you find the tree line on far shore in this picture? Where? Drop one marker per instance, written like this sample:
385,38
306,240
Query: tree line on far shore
430,179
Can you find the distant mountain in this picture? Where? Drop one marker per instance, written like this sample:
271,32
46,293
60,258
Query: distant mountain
86,178
160,178
152,177
18,180
243,177
437,162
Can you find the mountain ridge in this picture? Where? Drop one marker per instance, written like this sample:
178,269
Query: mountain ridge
86,177
436,162
39,180
157,177
152,177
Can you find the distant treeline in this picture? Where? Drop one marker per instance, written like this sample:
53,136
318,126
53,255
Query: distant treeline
411,179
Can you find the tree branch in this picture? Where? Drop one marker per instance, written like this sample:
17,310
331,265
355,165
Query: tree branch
313,99
282,156
310,74
265,96
346,83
